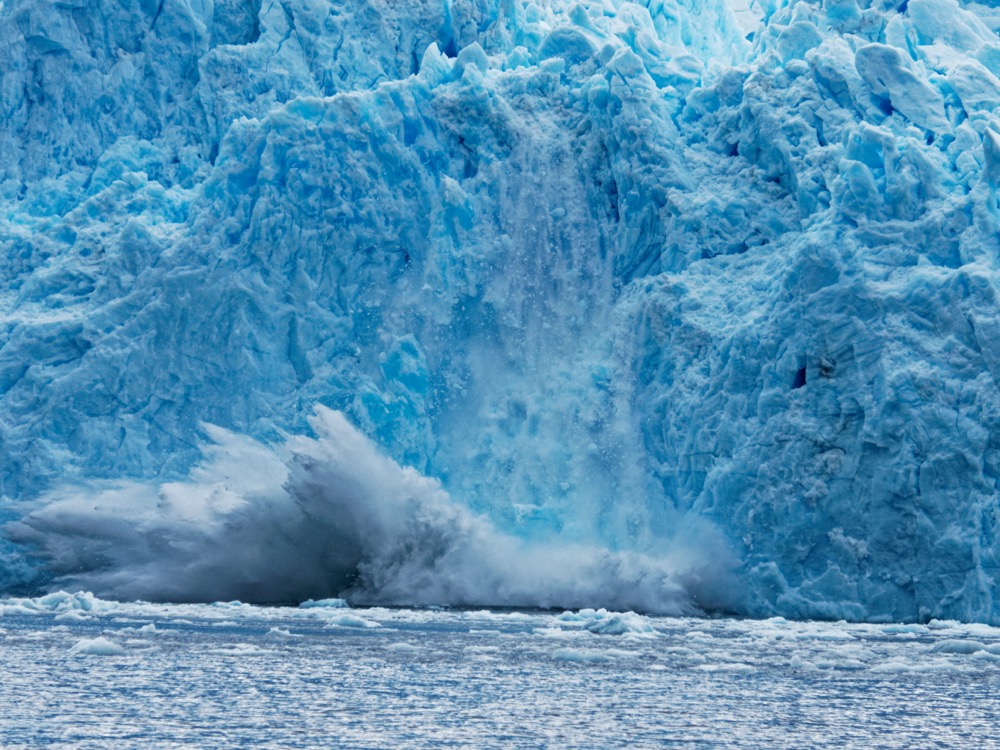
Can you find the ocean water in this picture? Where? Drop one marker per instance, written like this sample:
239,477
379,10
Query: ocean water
78,672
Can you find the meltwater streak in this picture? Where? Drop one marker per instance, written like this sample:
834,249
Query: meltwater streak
331,515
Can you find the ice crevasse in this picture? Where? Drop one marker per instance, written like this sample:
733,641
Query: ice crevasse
632,277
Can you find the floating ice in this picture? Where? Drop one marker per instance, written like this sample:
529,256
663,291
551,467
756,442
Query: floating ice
401,647
350,621
242,649
608,690
963,646
583,655
60,602
281,633
71,616
899,666
99,646
324,604
603,622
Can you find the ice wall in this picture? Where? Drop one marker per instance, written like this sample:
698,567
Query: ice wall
602,268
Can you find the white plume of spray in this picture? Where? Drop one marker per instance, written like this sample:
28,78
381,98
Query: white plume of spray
333,516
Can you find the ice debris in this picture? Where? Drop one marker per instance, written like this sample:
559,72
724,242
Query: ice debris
99,646
602,622
324,604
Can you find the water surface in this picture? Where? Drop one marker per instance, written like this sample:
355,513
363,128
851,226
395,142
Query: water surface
81,673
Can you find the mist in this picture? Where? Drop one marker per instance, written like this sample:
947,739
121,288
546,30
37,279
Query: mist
331,515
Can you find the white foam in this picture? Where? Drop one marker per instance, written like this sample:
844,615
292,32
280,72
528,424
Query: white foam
337,516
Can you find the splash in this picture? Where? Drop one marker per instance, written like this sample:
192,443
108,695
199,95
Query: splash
332,516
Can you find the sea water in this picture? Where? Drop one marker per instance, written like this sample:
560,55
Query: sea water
79,672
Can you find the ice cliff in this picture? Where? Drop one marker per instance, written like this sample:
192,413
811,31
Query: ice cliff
619,275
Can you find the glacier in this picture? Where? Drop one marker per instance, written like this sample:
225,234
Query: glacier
683,305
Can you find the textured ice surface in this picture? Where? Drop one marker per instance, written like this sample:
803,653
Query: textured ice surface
225,675
646,278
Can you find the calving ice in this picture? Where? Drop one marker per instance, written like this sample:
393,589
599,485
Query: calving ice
500,302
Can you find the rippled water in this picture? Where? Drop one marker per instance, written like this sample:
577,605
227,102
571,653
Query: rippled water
232,675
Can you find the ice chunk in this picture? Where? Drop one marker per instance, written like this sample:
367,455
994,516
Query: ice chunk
602,622
887,72
242,649
78,604
350,621
281,633
73,615
99,646
582,655
943,21
963,646
405,647
324,604
900,666
619,623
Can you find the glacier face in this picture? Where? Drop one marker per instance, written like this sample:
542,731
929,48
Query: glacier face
607,270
